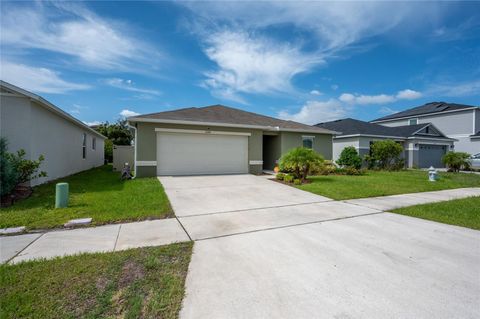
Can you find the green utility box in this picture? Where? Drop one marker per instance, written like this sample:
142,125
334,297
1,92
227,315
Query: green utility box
61,195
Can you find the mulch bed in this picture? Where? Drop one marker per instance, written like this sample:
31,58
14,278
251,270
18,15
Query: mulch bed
19,193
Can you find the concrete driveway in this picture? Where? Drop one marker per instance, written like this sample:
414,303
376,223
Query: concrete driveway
267,250
374,266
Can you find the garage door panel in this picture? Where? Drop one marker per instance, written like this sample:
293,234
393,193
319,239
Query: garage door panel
196,154
431,155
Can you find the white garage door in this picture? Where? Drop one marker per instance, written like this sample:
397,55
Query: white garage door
197,154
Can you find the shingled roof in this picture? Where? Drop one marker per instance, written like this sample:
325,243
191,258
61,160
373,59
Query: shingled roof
351,126
220,114
432,107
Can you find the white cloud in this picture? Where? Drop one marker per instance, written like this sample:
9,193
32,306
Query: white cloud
386,110
362,99
92,123
374,99
334,87
251,64
471,88
314,112
408,95
130,86
347,98
73,30
248,61
128,113
315,92
76,109
39,80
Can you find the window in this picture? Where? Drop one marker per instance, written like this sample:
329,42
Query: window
413,122
307,141
84,146
94,143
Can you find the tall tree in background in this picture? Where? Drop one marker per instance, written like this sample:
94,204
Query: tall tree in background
117,134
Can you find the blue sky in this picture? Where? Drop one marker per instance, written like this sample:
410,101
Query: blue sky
305,61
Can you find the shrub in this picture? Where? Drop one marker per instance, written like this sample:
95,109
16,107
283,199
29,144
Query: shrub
288,178
8,175
297,181
350,158
352,171
386,154
26,169
456,160
108,151
369,161
299,161
280,176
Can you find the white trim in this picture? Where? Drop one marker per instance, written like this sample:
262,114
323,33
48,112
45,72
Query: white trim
459,135
134,150
367,135
308,136
254,162
424,115
473,124
198,123
146,163
430,138
174,130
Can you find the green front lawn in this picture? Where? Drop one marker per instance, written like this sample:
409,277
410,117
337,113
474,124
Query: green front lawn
380,183
137,283
461,212
98,193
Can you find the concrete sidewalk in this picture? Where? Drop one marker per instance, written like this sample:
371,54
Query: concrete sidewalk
209,225
94,239
386,203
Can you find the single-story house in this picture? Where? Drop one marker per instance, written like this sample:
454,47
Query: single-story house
218,140
35,125
424,144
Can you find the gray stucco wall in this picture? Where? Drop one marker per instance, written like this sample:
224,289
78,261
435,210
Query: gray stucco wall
29,126
147,144
322,143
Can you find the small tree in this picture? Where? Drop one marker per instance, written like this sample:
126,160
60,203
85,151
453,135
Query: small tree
350,158
299,161
387,153
8,175
117,134
456,160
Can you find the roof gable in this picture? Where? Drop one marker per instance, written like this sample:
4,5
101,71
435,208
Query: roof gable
220,114
356,127
429,108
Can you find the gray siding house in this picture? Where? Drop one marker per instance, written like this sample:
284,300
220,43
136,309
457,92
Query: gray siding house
423,144
458,121
31,123
218,140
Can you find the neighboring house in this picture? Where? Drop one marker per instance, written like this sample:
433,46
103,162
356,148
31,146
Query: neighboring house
218,140
424,144
31,123
458,121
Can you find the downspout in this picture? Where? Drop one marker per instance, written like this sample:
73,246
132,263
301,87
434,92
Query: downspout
134,150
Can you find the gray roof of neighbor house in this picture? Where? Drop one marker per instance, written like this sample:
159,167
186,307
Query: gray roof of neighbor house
351,126
221,115
432,107
6,87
